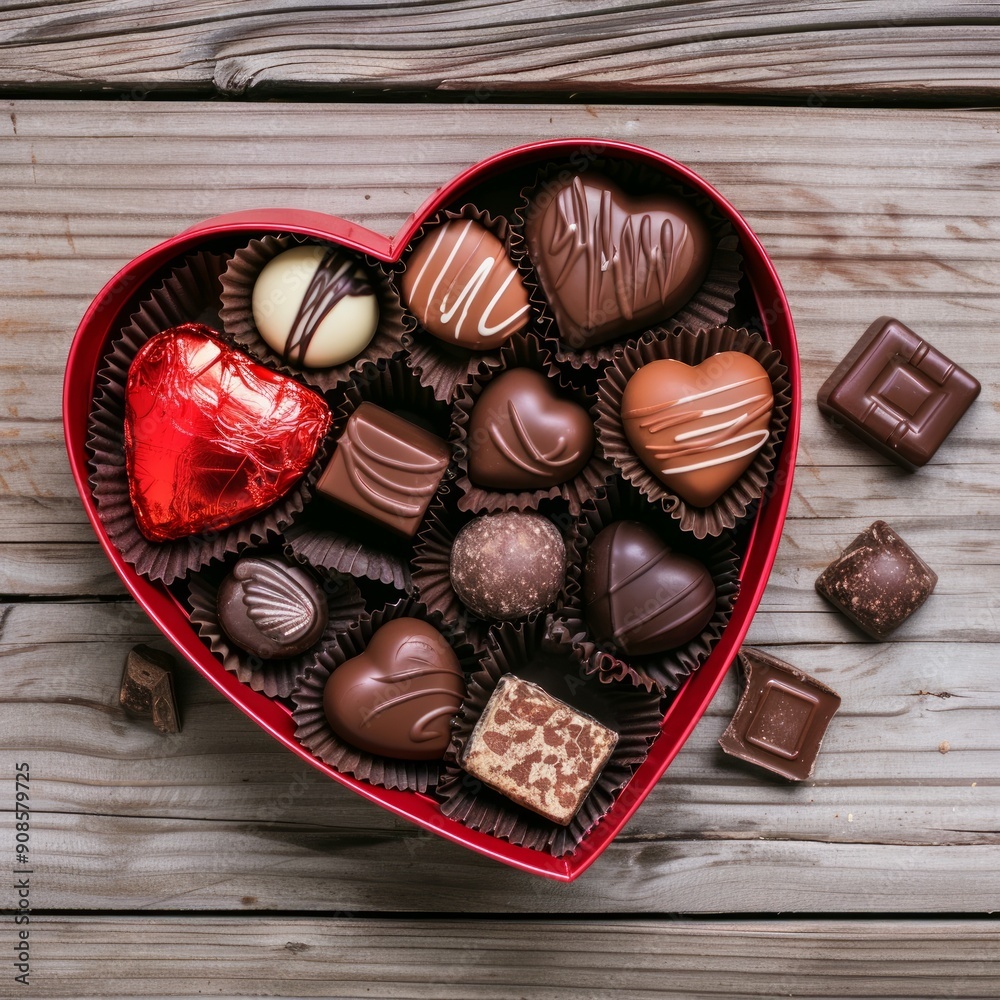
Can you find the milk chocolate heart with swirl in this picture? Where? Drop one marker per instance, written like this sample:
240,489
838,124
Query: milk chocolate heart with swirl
611,264
523,436
697,429
396,699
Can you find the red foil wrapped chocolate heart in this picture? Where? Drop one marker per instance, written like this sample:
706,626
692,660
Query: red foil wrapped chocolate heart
211,438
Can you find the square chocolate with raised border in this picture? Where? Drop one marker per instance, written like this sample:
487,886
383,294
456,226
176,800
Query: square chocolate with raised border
385,468
538,751
897,393
878,581
782,716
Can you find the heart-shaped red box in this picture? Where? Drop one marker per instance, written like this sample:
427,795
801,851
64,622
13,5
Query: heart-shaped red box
110,309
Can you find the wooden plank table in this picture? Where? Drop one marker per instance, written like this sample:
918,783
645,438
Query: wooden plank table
215,863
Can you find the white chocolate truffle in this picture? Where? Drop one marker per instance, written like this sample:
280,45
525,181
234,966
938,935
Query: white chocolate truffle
315,306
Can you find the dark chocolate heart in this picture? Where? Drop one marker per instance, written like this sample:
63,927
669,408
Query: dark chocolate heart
523,436
611,264
212,438
697,429
640,596
396,699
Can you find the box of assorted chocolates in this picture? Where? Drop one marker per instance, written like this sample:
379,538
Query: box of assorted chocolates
474,519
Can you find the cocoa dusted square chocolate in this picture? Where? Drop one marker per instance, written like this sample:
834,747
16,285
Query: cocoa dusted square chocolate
878,581
898,394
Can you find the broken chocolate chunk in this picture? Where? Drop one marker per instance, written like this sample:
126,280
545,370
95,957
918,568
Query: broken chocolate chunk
147,689
782,716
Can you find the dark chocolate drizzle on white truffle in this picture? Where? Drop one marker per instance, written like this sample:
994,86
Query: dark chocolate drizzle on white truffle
336,277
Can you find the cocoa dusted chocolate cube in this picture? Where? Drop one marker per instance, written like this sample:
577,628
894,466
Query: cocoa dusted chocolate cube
385,468
782,716
897,393
538,751
878,581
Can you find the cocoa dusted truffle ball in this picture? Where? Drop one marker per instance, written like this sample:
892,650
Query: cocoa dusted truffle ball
508,566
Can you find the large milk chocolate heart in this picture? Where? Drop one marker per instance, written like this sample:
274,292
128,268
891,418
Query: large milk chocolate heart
697,429
611,264
522,436
396,699
210,437
502,173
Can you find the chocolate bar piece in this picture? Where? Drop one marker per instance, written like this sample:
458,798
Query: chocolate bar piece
147,688
897,393
781,718
537,750
878,581
385,468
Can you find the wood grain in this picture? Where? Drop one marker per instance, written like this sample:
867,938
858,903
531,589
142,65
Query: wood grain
814,53
557,960
864,212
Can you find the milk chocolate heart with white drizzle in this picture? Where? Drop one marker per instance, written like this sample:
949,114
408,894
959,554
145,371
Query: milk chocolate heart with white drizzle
697,429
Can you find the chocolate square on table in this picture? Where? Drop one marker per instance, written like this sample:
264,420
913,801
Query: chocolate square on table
897,393
538,751
385,468
782,716
878,581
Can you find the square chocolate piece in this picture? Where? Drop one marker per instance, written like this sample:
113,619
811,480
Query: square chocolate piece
897,393
538,751
781,718
878,581
385,468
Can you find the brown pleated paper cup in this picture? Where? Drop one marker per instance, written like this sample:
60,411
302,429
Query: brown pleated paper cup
431,567
542,652
238,322
709,306
691,349
313,730
527,353
188,293
275,677
666,671
441,366
332,538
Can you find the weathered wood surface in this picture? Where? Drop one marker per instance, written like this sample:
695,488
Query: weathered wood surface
441,960
809,51
865,212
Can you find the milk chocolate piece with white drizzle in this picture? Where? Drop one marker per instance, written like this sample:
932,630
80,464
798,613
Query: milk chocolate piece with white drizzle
697,429
315,306
385,468
396,699
464,289
523,436
611,264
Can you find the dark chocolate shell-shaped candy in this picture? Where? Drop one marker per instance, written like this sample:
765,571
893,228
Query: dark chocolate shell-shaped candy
640,596
270,608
